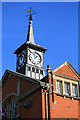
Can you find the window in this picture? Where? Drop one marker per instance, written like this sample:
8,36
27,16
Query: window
33,70
28,104
29,69
6,109
41,72
59,86
74,90
10,110
14,110
67,88
37,71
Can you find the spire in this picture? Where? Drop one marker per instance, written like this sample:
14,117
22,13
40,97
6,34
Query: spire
30,36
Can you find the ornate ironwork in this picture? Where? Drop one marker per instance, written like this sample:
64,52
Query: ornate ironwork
31,12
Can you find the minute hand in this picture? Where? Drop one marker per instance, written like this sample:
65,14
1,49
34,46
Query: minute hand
35,56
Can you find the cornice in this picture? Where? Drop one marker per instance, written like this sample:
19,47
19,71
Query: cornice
67,96
28,44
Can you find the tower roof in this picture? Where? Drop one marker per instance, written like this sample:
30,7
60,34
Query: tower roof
30,36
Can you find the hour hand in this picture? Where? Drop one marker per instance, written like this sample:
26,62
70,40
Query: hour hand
35,56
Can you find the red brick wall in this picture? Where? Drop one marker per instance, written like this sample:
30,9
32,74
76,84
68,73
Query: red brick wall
35,110
9,86
26,85
62,108
65,108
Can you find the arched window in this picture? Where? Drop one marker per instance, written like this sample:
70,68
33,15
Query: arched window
10,109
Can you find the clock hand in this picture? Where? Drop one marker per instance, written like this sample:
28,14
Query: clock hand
36,57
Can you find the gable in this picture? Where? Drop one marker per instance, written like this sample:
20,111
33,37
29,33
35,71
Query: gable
67,71
13,82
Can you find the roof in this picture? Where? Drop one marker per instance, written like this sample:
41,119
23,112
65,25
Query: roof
33,46
69,65
8,72
30,36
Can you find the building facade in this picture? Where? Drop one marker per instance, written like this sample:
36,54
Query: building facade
28,93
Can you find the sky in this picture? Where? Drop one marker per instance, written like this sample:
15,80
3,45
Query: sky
55,27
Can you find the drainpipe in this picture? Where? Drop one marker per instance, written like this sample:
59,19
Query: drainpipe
48,92
46,102
52,76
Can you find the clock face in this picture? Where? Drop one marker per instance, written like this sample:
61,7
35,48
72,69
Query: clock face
35,58
21,59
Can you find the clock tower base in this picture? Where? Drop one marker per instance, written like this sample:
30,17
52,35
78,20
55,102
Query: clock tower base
34,72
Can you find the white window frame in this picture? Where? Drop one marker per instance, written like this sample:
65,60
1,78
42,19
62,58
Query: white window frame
74,90
59,86
67,88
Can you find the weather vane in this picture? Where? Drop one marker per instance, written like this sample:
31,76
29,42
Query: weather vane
31,12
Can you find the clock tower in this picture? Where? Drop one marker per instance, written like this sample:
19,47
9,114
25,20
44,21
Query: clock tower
30,56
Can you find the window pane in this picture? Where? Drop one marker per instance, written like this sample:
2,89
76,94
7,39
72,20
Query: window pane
41,72
33,70
6,109
14,110
10,110
67,88
74,90
29,68
59,86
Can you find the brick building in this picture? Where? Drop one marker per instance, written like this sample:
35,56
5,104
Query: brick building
27,93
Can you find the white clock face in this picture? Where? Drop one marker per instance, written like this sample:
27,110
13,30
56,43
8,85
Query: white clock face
35,58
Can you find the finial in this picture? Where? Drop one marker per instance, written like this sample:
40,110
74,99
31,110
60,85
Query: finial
48,70
31,12
48,67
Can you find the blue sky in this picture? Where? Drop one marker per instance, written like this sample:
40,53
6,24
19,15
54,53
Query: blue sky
55,27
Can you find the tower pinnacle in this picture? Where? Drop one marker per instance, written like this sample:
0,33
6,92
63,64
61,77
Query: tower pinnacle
30,36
